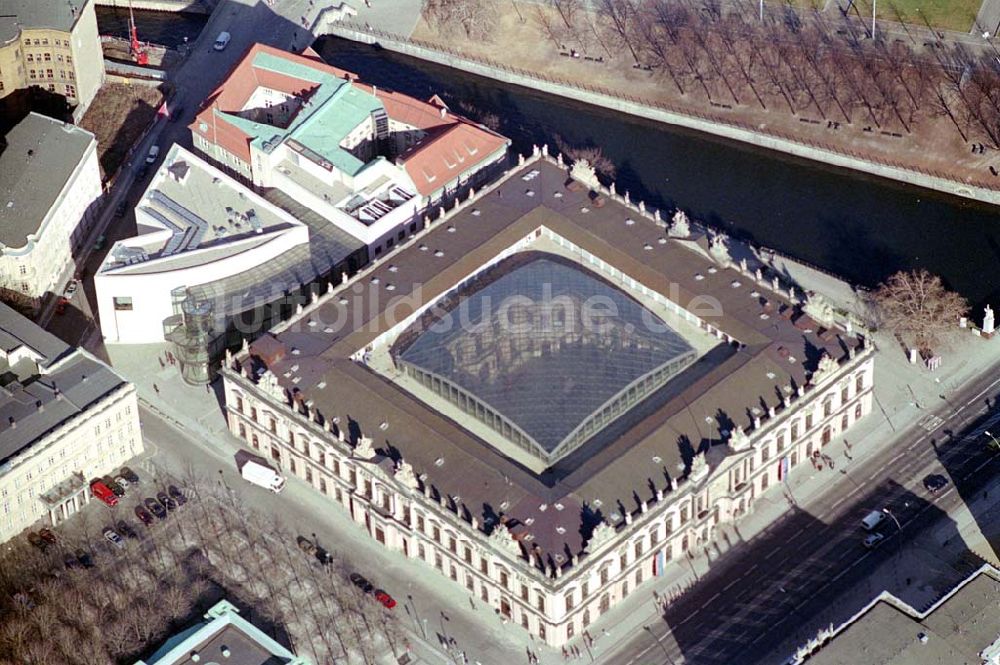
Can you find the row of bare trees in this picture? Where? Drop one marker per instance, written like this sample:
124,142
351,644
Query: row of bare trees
801,62
133,599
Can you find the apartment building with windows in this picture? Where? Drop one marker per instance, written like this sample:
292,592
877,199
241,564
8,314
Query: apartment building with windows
65,418
53,45
50,192
366,159
550,471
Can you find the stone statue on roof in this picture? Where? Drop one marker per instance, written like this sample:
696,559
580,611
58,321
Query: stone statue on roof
364,448
718,248
269,383
738,439
405,475
819,308
502,539
699,467
826,368
602,533
584,171
681,226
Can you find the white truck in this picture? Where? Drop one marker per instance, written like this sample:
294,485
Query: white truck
262,476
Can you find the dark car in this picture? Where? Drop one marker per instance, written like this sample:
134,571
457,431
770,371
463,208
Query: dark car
177,113
155,507
323,556
113,486
306,545
144,515
177,495
361,582
935,482
84,558
48,536
166,501
387,601
125,529
121,209
129,475
37,541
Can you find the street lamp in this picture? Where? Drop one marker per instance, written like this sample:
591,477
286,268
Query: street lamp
995,442
890,514
657,638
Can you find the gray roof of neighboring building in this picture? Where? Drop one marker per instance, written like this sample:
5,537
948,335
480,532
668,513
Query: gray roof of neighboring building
40,156
780,346
40,396
957,629
56,14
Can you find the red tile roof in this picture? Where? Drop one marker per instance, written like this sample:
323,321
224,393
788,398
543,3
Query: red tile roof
448,153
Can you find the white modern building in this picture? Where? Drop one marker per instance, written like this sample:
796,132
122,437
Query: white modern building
207,245
368,160
50,192
65,418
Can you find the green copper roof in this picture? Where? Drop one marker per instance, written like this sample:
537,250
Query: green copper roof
333,110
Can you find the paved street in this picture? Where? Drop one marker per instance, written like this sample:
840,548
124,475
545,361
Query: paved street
780,581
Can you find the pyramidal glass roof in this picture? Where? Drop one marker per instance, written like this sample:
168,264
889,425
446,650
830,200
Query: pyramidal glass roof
544,342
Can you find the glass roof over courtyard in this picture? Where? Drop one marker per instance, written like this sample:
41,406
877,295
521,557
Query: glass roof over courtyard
549,347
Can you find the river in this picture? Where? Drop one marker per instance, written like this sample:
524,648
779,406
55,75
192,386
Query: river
856,226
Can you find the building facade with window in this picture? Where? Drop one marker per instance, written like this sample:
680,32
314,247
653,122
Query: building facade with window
65,418
50,187
53,45
209,253
428,463
366,159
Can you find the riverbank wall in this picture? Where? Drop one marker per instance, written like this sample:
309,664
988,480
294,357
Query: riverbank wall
644,109
186,6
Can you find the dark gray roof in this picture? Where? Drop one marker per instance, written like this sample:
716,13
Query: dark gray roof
43,394
534,348
40,157
57,14
956,631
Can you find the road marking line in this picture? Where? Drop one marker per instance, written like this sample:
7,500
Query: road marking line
730,585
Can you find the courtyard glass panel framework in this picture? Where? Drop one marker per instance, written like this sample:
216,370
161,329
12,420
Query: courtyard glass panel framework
543,351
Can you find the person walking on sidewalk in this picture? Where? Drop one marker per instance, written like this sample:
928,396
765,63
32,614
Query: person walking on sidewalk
156,389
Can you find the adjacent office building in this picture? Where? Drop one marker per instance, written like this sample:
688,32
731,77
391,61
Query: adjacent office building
65,418
54,45
368,160
50,192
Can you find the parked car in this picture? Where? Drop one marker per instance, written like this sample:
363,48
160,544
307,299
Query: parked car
37,541
177,495
176,114
323,556
61,305
873,539
155,507
121,481
71,287
872,520
121,209
166,501
112,537
306,545
113,486
387,601
222,41
103,492
935,483
360,582
144,515
48,536
84,558
125,529
154,152
129,475
99,243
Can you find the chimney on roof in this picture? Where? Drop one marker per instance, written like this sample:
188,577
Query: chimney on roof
444,112
39,405
12,422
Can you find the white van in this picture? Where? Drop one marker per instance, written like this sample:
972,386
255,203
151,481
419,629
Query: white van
872,519
222,41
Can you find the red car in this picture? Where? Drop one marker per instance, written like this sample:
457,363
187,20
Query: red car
144,515
61,305
103,492
388,601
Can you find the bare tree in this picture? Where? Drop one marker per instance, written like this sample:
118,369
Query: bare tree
475,18
917,307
